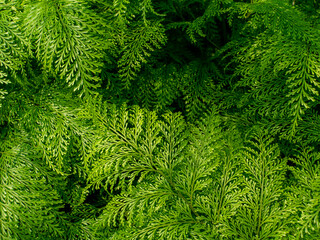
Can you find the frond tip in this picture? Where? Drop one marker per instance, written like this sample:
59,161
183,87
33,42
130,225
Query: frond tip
67,39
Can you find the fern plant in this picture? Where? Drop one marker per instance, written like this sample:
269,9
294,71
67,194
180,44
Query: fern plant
66,37
263,210
44,153
3,81
25,191
173,119
168,184
278,64
305,193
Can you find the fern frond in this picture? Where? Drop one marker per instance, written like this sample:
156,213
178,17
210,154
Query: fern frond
120,8
3,81
280,69
306,192
55,128
168,227
12,42
151,162
263,208
29,207
198,87
141,42
66,38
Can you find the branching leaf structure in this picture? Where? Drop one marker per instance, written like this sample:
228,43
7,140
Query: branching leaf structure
159,120
66,38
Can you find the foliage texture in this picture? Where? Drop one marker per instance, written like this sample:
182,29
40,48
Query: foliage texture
164,120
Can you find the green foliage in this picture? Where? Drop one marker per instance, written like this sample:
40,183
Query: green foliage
3,81
278,64
143,39
173,179
306,193
66,38
25,191
263,208
171,119
44,167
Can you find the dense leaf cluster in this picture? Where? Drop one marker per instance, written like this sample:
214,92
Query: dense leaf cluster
169,119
